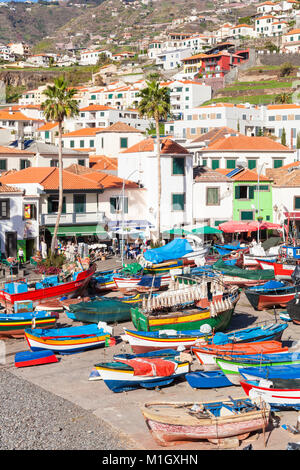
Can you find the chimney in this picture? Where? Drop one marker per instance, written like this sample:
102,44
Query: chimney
21,139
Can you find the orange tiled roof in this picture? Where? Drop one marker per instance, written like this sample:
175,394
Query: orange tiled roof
49,179
121,127
48,126
5,150
215,134
4,188
110,181
283,106
168,146
244,175
84,132
6,115
245,143
101,162
96,107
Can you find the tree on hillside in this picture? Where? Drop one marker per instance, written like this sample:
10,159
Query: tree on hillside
283,98
286,69
283,137
155,104
59,104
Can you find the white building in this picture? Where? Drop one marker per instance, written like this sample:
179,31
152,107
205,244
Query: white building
186,94
91,57
139,163
291,41
263,25
212,197
242,30
169,60
268,7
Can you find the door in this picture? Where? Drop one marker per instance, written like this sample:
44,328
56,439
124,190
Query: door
11,244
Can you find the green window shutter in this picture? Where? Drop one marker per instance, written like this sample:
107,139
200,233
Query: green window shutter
124,142
64,207
3,165
72,144
251,192
113,205
178,166
178,202
237,192
93,97
50,210
246,215
81,143
120,95
277,163
81,162
110,96
297,202
79,203
92,143
251,164
230,164
46,134
215,164
204,162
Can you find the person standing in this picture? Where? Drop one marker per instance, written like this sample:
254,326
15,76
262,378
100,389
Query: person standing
21,257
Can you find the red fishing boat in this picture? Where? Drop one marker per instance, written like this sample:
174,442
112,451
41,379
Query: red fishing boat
48,288
282,270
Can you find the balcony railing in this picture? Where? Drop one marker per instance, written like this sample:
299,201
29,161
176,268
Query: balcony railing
73,218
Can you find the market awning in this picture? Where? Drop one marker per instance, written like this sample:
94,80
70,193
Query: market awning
252,226
206,230
177,231
79,231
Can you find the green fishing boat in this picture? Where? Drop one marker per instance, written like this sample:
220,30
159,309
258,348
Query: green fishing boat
233,275
188,307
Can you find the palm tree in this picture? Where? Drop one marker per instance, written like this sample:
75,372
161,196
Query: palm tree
155,104
59,105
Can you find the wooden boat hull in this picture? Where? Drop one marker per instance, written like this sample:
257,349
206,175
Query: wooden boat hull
29,358
11,327
253,261
282,271
275,397
131,283
37,296
120,380
181,321
260,301
168,429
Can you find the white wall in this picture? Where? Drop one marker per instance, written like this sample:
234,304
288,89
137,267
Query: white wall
201,210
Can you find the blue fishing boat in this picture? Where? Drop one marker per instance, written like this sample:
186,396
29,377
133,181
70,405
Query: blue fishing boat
130,371
14,324
228,249
208,379
34,358
271,294
291,371
68,340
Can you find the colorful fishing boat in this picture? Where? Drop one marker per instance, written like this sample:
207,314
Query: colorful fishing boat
277,393
290,371
105,309
128,372
174,422
208,379
272,294
282,270
293,309
230,365
37,358
104,280
144,341
48,288
207,353
142,281
186,306
233,275
68,340
14,324
230,248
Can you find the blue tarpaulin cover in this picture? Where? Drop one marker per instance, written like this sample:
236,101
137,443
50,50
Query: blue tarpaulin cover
175,249
149,281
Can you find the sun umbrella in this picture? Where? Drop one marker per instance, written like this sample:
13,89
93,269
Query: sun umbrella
177,231
206,230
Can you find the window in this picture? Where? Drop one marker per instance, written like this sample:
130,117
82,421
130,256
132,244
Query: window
178,166
251,164
72,144
46,134
215,164
124,142
79,202
244,192
81,162
3,164
81,143
93,97
178,202
277,163
271,118
29,211
246,215
54,163
92,143
82,114
204,162
230,164
297,202
4,209
212,196
116,204
24,164
53,205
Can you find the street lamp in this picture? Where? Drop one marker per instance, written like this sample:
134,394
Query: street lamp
259,170
123,200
